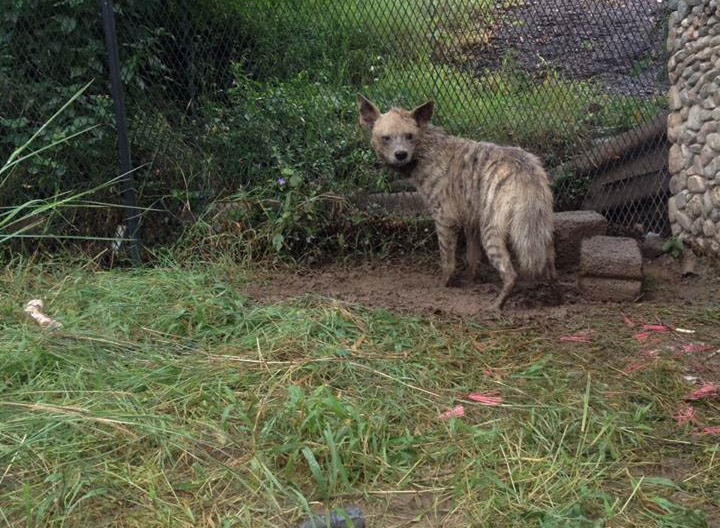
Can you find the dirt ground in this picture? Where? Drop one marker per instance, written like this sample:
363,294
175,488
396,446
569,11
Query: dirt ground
412,286
620,43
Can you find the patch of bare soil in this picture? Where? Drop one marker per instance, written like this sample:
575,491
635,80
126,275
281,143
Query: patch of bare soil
402,286
414,287
619,43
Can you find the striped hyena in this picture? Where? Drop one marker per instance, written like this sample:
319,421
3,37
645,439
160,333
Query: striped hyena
494,193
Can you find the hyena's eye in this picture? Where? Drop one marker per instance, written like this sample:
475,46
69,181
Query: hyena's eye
408,137
386,138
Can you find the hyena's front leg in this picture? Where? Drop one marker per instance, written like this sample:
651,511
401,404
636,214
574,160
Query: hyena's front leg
499,257
447,234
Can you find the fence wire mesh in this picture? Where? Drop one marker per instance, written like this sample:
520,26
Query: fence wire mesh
228,95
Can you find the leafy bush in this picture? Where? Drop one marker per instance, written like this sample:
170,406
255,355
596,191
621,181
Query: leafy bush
303,132
50,52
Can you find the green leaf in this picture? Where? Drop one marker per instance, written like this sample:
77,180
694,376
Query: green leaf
662,481
664,504
67,24
295,180
315,468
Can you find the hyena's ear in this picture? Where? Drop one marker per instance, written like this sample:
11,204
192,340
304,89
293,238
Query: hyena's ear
423,113
369,113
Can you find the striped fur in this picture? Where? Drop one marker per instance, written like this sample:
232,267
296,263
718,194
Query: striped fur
494,193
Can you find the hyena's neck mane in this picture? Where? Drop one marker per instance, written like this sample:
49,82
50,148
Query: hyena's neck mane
430,146
432,140
406,170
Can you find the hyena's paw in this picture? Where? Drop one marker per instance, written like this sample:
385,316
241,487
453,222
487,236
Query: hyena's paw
556,295
452,281
495,307
476,277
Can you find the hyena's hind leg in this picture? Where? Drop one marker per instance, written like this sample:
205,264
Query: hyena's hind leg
474,253
447,234
551,275
499,257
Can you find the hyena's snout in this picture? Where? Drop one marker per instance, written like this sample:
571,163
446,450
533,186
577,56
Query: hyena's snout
401,155
396,156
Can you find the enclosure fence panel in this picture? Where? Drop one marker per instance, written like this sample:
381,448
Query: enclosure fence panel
240,95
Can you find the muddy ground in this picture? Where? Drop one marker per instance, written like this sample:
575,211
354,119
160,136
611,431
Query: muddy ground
412,286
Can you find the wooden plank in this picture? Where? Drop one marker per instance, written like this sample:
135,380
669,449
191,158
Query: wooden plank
638,179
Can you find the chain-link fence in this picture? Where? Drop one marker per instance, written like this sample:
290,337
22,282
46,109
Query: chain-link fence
257,96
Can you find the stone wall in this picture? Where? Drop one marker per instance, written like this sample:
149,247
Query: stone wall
693,123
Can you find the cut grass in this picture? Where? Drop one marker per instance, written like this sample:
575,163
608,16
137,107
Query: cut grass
169,399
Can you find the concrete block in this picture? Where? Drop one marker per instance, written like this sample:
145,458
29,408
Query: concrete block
570,229
610,290
406,203
611,257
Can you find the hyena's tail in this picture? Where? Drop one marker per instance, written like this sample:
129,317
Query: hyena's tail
531,233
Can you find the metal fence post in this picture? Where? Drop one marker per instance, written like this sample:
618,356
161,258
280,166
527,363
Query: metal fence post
129,191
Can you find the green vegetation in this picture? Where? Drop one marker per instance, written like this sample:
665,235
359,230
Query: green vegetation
169,399
228,98
674,246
